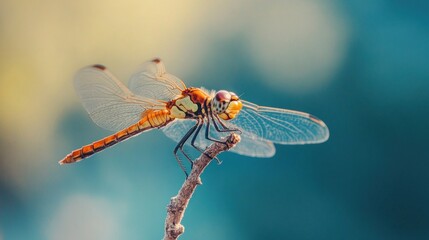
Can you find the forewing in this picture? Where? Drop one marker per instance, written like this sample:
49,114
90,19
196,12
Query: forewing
153,81
248,146
109,103
280,125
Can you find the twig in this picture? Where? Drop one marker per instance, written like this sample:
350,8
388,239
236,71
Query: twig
176,208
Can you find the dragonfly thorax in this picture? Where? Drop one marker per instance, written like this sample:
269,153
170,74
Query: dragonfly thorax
226,104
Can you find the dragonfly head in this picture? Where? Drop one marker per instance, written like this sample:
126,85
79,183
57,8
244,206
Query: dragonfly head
226,104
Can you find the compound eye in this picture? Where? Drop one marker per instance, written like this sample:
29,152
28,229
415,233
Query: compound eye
234,96
223,96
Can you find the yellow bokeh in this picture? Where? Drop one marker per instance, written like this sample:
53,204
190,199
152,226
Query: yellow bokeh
44,43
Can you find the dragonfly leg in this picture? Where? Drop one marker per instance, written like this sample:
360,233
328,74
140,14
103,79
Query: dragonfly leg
198,148
179,146
187,156
211,139
225,128
207,133
181,164
200,125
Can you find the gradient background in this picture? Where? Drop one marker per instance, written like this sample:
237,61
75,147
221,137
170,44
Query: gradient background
361,66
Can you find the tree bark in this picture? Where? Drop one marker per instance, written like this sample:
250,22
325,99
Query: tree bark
179,203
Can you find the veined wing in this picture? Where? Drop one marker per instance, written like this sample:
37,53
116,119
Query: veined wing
153,81
109,103
280,125
248,146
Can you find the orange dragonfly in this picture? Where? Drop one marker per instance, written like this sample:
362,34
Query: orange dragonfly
157,99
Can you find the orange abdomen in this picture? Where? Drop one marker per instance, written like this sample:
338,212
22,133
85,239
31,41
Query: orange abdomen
151,119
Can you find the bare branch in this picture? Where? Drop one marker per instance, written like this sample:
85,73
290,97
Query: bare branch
178,204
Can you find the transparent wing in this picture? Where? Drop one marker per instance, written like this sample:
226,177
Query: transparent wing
154,82
109,103
249,145
280,125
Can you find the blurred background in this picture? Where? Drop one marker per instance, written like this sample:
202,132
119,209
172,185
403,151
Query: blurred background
361,66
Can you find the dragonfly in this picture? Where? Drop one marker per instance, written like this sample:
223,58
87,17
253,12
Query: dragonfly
156,99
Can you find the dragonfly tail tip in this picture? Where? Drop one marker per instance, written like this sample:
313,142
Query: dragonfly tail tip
66,160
